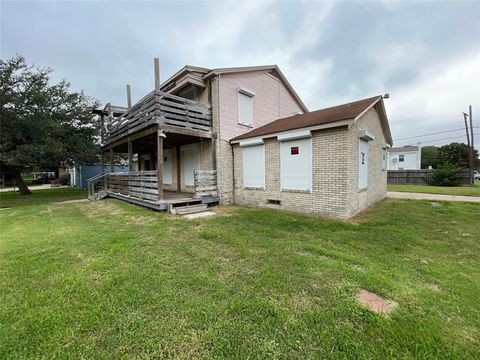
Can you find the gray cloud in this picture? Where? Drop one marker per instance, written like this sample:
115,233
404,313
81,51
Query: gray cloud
426,54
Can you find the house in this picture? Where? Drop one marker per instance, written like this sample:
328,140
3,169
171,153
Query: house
243,135
405,158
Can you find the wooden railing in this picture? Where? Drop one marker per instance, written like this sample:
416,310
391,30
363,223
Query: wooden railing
142,185
162,108
205,183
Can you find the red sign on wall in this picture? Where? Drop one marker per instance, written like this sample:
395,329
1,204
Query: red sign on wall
294,150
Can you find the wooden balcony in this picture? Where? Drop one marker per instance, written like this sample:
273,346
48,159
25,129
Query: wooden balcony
170,112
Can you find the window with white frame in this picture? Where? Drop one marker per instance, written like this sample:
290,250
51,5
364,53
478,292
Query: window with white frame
296,163
253,166
245,107
384,159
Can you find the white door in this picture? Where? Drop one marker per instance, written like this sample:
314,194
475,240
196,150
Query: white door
362,164
167,166
191,162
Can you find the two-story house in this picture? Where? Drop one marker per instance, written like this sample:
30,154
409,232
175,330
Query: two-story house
211,135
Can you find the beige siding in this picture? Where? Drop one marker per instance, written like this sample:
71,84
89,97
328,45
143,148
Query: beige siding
271,101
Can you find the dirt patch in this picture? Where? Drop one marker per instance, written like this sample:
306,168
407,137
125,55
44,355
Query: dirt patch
375,303
433,203
433,287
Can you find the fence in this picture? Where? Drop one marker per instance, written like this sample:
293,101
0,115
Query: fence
423,177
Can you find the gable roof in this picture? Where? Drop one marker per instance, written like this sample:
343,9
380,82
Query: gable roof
274,68
339,115
403,149
208,73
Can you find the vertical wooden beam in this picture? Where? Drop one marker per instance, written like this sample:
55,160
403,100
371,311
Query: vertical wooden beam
160,163
129,97
156,65
179,174
130,156
102,165
112,165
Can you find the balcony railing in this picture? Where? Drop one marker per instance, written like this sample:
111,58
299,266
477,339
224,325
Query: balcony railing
161,108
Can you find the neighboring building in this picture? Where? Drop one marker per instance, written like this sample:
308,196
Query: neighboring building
80,174
405,158
242,135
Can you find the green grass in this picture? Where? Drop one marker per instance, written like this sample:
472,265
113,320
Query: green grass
445,190
110,280
43,196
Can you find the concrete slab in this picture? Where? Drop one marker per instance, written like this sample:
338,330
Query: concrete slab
71,201
434,197
375,303
199,215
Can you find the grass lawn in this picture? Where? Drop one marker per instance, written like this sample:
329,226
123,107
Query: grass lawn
107,279
445,190
43,196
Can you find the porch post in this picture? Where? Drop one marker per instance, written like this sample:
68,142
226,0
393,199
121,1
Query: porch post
112,168
130,156
160,135
102,165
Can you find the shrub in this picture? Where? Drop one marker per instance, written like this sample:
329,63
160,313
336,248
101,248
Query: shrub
64,179
445,176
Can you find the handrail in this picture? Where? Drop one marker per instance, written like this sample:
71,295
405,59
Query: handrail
96,177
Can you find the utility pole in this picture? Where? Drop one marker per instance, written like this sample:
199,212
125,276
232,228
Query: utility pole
471,135
469,141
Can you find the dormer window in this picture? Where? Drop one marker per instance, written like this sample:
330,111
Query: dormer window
245,106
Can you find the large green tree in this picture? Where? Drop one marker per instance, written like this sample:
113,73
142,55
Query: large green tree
429,156
42,124
455,155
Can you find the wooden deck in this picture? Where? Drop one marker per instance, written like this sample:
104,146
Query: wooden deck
141,188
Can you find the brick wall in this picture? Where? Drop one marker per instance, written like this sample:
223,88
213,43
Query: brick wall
335,187
359,200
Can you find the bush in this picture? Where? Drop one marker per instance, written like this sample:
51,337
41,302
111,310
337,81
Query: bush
445,177
64,179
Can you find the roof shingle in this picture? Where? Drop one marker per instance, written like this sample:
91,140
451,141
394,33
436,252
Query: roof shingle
319,117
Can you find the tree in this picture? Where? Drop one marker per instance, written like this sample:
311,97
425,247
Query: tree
429,156
455,155
42,125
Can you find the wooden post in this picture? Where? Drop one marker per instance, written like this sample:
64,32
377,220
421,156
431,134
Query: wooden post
110,112
160,163
130,156
112,165
156,64
129,97
102,165
179,169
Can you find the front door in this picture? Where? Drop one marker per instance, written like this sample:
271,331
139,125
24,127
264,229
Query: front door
191,162
167,166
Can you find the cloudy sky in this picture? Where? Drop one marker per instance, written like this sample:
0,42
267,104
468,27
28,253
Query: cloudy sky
425,54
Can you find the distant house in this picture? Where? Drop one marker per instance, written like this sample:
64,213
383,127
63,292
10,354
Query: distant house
405,158
243,136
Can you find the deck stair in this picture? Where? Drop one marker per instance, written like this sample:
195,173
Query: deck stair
188,209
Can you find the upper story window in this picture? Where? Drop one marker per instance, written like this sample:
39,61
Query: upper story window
245,106
401,158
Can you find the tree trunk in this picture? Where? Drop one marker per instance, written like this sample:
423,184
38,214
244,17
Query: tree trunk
22,187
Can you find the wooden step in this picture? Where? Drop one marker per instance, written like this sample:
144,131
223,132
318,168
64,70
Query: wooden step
188,209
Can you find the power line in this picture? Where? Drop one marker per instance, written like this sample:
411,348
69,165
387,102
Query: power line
449,138
436,133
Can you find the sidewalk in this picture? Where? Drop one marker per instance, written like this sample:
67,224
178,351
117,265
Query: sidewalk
33,187
422,196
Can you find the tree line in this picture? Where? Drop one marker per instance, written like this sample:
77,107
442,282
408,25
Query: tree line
453,155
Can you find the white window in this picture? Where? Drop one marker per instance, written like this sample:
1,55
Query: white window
362,164
254,166
245,107
296,164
